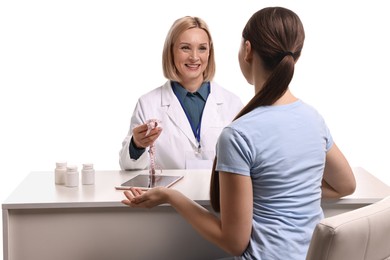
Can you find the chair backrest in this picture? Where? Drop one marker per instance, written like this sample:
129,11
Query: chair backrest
361,234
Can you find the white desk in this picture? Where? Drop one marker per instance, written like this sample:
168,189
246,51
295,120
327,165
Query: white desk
42,220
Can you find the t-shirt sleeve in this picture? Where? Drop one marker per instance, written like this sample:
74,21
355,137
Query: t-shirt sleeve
233,153
328,136
329,140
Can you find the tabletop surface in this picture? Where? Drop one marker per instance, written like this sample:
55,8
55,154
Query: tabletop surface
38,189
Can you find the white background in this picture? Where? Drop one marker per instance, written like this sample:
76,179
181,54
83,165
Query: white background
71,72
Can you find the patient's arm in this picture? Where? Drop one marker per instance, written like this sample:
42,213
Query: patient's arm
338,179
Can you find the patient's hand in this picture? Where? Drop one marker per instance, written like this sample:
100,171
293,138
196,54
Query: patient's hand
137,198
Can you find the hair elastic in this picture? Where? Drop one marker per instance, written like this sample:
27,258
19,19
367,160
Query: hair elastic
288,53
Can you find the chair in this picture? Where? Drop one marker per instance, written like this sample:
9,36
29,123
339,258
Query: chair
361,234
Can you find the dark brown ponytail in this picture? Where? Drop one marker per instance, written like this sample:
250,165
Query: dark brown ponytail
276,34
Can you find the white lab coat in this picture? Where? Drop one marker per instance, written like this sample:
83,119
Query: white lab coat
177,139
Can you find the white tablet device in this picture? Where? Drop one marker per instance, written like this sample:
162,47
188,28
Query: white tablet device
146,181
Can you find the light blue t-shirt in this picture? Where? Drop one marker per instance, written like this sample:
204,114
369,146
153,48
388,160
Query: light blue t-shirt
283,149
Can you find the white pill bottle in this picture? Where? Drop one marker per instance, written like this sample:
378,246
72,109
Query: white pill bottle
60,172
71,176
88,174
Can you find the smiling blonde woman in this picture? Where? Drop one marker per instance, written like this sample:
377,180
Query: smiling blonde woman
192,108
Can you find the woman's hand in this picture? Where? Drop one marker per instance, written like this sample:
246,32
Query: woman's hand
137,198
142,139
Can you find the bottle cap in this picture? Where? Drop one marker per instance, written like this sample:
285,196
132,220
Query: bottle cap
88,166
71,168
60,164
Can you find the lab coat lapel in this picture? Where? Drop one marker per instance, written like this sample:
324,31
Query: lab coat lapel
212,116
176,112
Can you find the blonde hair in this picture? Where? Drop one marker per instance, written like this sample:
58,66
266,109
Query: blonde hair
178,27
